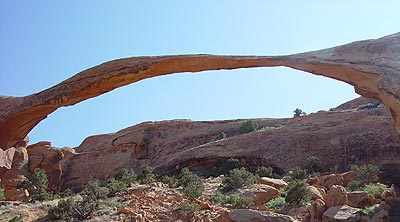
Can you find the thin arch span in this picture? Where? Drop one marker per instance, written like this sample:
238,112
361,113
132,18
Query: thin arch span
371,66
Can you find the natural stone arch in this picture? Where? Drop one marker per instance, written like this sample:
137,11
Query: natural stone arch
371,66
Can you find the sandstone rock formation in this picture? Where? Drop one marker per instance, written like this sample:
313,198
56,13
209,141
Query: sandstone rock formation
342,213
371,66
351,135
246,215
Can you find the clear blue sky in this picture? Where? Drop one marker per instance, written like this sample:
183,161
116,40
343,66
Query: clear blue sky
44,42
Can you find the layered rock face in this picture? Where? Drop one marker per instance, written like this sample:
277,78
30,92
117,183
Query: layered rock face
371,66
342,137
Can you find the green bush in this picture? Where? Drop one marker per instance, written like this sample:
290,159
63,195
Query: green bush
375,190
17,218
2,195
223,166
222,135
264,171
371,211
298,112
278,202
194,188
248,127
64,210
93,191
115,186
39,180
298,173
239,202
297,193
188,210
369,105
126,176
238,178
148,176
313,165
234,200
65,193
68,210
366,174
171,181
192,184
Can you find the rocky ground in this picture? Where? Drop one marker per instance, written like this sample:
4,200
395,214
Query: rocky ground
143,203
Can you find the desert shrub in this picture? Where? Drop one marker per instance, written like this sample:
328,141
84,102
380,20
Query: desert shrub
194,188
375,190
188,210
184,176
278,202
239,202
222,135
115,186
39,180
264,171
192,184
17,218
371,211
148,176
297,193
65,193
64,210
369,105
238,178
171,181
354,185
313,165
2,195
93,191
298,112
126,176
298,173
234,200
366,174
223,166
248,127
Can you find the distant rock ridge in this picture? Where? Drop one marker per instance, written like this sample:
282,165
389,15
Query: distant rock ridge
340,138
371,66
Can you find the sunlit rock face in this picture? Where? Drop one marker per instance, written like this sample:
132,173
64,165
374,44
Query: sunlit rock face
371,66
354,133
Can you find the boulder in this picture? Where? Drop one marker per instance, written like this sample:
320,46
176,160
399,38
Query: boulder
336,196
359,199
247,215
317,209
381,216
315,194
13,177
44,156
328,180
277,183
348,177
342,214
260,193
6,158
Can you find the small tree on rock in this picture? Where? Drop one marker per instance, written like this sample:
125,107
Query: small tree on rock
298,112
248,127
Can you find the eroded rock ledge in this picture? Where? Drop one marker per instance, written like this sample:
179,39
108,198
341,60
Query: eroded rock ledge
371,66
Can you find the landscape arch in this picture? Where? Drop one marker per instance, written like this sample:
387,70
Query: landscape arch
371,66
